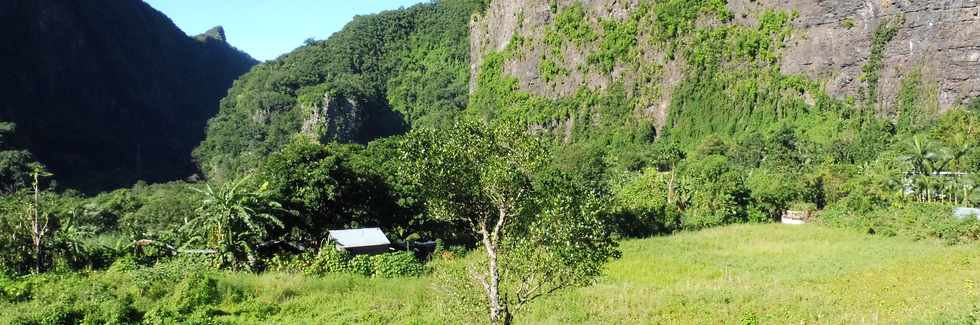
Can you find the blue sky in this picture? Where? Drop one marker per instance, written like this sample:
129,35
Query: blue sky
268,28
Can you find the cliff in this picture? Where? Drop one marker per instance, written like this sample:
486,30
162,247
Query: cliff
106,93
831,42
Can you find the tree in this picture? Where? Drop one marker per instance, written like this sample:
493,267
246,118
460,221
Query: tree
539,234
233,220
920,154
38,219
16,166
331,187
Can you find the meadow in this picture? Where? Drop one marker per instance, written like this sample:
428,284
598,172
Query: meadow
741,274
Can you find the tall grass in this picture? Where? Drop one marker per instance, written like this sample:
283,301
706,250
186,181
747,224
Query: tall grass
738,274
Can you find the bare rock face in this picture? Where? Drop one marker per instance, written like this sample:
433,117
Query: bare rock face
337,119
831,43
505,19
939,38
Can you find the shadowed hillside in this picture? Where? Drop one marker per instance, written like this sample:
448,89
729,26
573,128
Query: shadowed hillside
106,93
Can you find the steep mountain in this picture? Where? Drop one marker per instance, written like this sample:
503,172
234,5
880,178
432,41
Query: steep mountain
106,93
379,75
617,74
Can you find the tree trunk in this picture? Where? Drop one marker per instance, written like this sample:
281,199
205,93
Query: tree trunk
491,282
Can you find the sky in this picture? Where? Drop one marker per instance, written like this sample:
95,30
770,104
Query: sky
266,29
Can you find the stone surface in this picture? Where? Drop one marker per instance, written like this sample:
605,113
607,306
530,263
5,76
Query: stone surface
831,43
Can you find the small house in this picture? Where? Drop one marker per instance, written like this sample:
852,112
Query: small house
360,241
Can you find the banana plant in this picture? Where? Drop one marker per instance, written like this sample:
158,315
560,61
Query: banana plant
233,220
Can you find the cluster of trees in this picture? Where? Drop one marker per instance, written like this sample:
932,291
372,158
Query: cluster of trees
475,185
377,76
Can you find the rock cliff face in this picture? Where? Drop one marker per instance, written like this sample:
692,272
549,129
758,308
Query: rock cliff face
109,92
831,43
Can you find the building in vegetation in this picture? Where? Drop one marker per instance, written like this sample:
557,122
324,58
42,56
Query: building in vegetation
360,241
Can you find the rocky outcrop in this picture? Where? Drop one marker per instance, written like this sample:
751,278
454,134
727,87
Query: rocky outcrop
939,38
831,43
337,119
106,93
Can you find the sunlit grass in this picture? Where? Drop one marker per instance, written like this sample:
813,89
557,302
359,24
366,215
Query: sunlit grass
765,274
776,274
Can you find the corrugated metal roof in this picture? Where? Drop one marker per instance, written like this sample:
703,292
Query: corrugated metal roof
359,237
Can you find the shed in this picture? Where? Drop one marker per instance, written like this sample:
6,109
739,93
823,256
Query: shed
360,241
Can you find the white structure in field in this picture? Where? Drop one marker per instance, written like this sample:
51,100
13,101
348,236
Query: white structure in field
361,241
791,217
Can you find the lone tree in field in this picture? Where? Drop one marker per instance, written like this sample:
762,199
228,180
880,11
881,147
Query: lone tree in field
541,231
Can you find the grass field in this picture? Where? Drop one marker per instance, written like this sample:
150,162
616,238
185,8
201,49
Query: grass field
747,274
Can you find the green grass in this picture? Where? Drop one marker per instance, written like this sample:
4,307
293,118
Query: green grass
767,274
776,274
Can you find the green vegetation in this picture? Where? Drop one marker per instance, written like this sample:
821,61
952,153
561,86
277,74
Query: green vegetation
128,104
569,28
15,164
809,274
884,33
541,233
396,69
529,200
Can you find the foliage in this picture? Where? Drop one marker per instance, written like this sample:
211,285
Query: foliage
332,187
917,220
714,193
541,233
15,165
398,67
884,33
647,204
570,27
233,220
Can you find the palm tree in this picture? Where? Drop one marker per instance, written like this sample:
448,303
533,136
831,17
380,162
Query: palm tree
233,220
921,154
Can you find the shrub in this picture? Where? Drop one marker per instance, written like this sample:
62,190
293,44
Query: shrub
155,282
360,264
329,260
75,300
386,265
190,302
913,220
396,265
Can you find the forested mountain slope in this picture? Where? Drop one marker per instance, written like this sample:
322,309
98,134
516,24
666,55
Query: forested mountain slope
106,93
379,75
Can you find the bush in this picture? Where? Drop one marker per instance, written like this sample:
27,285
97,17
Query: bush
155,282
913,220
191,302
397,264
74,300
329,260
360,264
386,265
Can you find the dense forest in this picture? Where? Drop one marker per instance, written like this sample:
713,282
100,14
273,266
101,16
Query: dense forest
107,94
524,195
